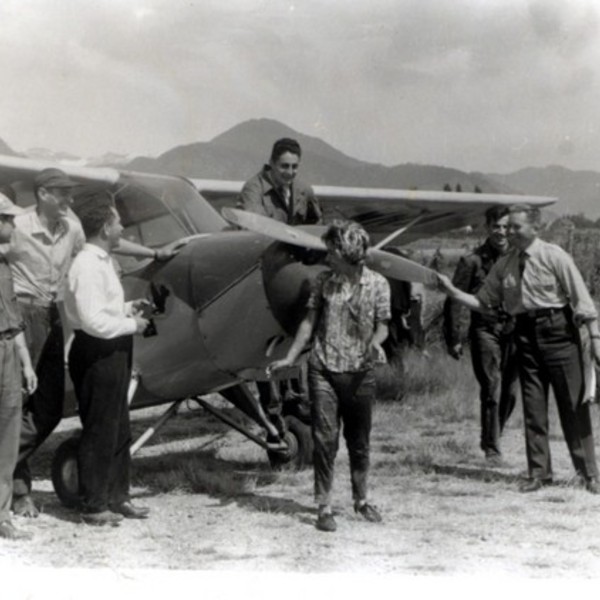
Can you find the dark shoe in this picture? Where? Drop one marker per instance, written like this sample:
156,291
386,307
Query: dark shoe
326,522
23,506
592,485
105,517
9,532
368,512
130,511
533,485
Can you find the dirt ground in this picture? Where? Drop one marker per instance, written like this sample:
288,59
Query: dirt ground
218,509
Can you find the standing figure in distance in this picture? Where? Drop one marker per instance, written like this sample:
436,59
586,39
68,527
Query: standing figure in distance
493,350
348,313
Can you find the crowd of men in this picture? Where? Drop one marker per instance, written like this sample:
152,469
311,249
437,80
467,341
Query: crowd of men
529,307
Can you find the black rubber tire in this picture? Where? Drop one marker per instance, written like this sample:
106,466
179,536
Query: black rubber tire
65,478
299,439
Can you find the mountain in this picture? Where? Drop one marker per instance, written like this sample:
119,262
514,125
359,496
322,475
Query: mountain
241,151
578,191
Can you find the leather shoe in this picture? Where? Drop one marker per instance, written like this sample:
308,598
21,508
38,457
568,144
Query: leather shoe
23,506
368,512
105,517
130,511
533,485
9,532
326,522
592,485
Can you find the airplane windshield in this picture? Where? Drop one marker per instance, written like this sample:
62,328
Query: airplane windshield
157,210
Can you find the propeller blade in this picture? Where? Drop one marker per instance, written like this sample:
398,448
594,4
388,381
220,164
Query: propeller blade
273,229
397,267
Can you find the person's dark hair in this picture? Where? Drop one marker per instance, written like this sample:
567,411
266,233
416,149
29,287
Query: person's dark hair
534,215
285,145
495,213
95,212
9,192
349,239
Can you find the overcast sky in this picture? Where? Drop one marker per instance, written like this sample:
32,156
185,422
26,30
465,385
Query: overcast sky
492,85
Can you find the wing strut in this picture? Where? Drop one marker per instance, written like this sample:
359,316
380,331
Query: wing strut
395,234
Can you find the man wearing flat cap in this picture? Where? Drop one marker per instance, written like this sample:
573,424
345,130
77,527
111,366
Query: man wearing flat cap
46,238
14,357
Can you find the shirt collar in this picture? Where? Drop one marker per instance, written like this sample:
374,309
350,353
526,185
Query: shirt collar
97,251
533,247
37,227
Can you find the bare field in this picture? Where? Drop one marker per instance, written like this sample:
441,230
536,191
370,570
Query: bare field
217,506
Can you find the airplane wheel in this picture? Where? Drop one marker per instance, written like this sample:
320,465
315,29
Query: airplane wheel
65,478
300,446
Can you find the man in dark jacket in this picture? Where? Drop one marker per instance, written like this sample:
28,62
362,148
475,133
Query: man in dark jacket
276,193
491,337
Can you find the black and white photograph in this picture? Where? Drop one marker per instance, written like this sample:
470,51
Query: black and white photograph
299,297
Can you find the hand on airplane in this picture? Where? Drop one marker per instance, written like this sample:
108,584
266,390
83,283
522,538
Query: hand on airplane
140,322
31,381
444,283
455,351
276,365
170,250
140,305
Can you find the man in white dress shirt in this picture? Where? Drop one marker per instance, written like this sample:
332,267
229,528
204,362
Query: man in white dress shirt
100,366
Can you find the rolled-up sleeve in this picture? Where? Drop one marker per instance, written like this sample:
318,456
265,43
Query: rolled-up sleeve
383,310
574,287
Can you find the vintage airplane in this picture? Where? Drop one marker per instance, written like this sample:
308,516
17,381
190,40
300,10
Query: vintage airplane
229,302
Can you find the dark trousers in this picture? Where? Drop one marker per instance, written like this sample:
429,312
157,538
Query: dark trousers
550,355
10,421
42,411
340,398
495,365
101,371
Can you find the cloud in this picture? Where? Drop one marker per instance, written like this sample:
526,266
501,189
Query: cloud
469,83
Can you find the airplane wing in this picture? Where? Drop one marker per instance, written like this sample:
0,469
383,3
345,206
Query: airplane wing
382,211
390,265
155,209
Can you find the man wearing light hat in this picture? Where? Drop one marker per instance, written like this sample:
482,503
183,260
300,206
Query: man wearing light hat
46,238
14,356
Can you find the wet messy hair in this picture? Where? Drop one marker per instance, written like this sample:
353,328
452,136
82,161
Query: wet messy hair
349,239
285,145
495,213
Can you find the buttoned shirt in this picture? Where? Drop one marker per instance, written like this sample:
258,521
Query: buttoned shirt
94,297
296,205
10,317
40,259
347,315
550,279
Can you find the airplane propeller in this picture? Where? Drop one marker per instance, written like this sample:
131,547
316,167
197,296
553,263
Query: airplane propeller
385,263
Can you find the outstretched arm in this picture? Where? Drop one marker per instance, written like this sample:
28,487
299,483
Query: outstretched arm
302,338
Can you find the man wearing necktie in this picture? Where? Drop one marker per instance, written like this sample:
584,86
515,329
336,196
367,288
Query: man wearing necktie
540,285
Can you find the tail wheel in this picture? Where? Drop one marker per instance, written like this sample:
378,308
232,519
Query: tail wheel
298,455
65,477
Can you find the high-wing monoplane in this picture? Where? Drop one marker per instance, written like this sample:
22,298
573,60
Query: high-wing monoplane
229,302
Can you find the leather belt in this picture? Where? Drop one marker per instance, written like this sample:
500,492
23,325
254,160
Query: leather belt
33,301
539,313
